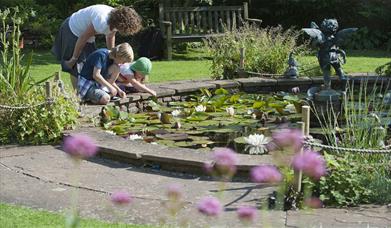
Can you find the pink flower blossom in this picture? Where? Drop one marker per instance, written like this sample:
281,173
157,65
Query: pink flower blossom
208,167
265,174
174,191
288,138
121,198
225,160
210,206
247,214
311,163
80,146
296,90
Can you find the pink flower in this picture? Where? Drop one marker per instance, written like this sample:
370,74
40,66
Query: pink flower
174,191
225,160
80,146
210,206
265,174
121,198
289,138
311,163
247,214
313,202
208,167
295,90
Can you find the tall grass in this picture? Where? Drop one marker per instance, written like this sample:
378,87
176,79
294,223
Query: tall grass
266,50
362,125
15,80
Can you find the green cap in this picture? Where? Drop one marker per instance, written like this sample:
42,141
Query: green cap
142,65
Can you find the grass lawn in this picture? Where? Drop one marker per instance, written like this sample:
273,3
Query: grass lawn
16,216
195,65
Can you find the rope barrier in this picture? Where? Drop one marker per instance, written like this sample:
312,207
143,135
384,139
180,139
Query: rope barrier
47,102
343,149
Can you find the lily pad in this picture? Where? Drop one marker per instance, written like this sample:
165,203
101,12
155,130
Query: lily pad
174,137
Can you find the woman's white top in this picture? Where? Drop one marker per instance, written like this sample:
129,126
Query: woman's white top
97,15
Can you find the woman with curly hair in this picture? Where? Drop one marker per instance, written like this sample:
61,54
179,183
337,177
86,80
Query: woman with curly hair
76,37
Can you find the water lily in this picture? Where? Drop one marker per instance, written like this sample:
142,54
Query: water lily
134,137
250,111
290,108
257,143
110,132
200,108
176,113
230,111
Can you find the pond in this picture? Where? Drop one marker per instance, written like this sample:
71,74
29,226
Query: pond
208,120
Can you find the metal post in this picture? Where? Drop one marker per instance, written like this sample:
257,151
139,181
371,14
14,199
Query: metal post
48,86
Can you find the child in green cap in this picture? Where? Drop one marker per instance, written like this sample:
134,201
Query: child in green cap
133,75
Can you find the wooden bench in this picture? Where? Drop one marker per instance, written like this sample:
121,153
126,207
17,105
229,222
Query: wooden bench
193,24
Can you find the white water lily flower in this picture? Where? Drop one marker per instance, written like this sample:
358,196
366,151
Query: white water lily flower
134,137
257,143
200,108
110,132
290,108
250,111
230,111
176,113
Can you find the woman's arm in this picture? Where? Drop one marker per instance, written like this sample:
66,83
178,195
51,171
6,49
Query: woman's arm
136,84
80,43
110,40
99,78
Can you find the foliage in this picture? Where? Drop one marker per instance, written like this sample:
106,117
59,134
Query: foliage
358,178
266,50
42,124
342,186
384,70
369,39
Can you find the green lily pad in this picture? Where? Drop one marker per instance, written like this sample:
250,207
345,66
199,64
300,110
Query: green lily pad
240,140
174,137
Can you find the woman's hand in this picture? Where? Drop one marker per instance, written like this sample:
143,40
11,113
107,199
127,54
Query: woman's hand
71,62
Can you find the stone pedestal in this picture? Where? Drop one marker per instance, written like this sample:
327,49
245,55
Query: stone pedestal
326,107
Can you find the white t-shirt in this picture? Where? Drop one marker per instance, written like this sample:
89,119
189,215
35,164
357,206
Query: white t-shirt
125,71
98,15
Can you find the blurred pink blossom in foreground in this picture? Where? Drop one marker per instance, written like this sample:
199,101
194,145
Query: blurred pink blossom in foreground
288,138
210,206
174,191
121,198
247,214
311,163
80,146
265,174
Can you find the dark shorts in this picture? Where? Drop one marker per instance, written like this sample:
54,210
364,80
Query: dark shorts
63,47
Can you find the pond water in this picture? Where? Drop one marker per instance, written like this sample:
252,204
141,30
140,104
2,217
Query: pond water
207,120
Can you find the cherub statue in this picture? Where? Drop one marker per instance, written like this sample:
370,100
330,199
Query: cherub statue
329,54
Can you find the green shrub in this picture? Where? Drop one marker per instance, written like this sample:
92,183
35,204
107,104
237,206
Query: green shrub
38,125
266,50
384,70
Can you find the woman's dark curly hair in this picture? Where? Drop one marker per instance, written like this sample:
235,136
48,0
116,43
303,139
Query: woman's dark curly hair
125,19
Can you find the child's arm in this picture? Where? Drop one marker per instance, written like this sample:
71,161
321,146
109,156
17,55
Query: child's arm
100,79
136,84
113,77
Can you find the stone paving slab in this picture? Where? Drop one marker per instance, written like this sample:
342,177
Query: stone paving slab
255,81
294,82
189,86
226,84
364,216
